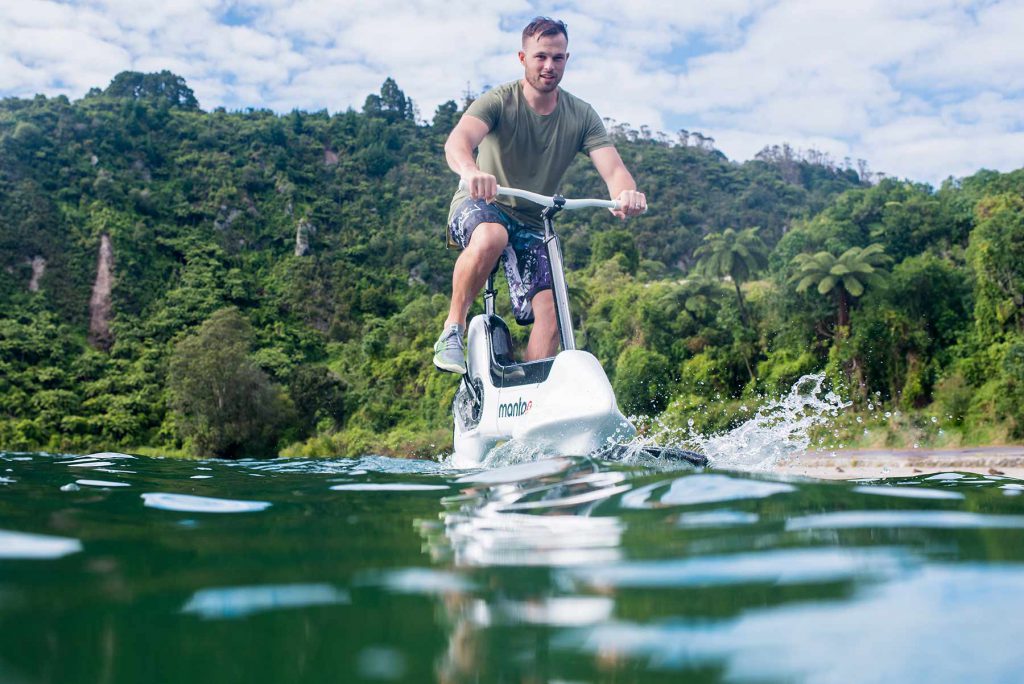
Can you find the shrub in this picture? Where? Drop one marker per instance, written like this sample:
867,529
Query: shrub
225,405
642,381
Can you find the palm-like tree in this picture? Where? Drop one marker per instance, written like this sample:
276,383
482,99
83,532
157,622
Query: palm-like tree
737,254
700,295
846,276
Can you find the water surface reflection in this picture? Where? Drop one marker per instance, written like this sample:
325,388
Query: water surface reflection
558,569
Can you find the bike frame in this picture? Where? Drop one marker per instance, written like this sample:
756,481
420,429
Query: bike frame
559,289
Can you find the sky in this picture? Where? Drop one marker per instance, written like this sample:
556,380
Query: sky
920,89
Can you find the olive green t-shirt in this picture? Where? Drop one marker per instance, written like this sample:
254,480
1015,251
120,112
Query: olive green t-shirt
531,151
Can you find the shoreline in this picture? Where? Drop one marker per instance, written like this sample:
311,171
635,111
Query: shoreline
851,464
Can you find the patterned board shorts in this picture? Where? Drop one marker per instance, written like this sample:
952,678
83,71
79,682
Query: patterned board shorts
526,259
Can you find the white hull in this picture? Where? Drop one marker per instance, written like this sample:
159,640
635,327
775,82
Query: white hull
571,411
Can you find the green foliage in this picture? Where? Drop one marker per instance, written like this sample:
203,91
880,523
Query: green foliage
904,329
781,369
391,105
846,276
324,232
164,87
319,398
610,243
701,415
642,381
734,254
953,398
225,405
1011,401
996,255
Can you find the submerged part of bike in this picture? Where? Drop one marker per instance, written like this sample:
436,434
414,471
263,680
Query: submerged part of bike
623,452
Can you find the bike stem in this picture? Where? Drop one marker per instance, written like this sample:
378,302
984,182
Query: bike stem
559,289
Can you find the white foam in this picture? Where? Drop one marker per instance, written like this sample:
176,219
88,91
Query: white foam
26,546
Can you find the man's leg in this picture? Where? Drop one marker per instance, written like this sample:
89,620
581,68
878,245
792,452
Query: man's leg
473,266
544,336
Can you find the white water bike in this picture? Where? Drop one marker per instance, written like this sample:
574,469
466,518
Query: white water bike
564,404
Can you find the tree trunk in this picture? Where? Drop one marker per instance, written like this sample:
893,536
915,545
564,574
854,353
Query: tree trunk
739,298
844,308
750,369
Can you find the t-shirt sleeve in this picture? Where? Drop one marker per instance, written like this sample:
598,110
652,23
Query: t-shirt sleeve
594,134
487,108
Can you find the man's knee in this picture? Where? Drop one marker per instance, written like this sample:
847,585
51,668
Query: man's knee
488,238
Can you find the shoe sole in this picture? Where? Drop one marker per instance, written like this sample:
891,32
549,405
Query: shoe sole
449,367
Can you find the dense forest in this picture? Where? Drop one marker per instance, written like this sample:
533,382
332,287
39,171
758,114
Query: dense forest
224,283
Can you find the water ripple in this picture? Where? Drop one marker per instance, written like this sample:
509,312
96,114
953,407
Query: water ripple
237,602
716,519
939,624
341,466
386,487
102,483
510,539
908,492
789,566
519,472
26,546
900,519
201,504
420,581
703,488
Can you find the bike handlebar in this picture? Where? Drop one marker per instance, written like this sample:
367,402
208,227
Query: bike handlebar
546,201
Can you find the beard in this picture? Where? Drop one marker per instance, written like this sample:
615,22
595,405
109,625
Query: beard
544,85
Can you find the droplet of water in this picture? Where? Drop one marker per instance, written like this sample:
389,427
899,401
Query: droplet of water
778,430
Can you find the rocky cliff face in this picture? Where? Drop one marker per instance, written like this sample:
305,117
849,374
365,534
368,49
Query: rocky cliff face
302,232
38,264
100,304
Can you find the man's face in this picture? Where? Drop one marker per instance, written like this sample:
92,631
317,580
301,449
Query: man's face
544,59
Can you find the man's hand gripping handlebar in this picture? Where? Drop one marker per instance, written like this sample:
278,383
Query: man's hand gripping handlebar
545,201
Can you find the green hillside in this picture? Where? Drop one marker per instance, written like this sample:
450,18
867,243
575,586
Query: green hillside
242,283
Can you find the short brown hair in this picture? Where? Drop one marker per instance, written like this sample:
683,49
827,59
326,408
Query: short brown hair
545,26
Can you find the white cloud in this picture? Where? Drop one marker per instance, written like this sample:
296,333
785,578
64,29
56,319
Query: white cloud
921,88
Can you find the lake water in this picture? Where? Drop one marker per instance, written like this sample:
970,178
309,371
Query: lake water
122,569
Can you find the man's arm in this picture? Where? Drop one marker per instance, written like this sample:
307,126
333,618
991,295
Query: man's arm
458,151
621,185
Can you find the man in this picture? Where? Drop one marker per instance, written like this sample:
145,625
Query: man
528,132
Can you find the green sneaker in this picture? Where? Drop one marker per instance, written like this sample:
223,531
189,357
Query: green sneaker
449,352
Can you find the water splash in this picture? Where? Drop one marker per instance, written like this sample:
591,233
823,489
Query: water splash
779,431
